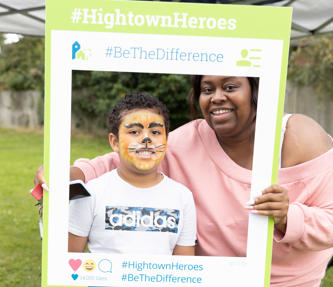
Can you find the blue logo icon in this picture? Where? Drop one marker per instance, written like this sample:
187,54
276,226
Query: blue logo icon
78,53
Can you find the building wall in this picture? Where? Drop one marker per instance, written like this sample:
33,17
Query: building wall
304,101
20,109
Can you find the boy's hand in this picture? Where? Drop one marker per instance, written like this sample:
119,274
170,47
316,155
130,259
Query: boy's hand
39,178
274,202
75,173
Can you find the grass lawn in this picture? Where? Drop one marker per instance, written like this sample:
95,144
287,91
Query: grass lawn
21,152
328,280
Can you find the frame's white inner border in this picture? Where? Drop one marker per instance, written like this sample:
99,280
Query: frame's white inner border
248,271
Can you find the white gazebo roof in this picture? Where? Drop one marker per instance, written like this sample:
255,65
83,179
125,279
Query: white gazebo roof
310,17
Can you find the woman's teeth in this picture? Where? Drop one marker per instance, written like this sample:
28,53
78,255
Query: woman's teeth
218,112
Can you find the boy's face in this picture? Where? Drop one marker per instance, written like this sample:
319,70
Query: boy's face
142,139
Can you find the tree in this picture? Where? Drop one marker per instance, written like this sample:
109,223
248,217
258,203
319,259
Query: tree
22,64
100,90
311,64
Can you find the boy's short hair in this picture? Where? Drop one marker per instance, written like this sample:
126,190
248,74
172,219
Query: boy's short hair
132,102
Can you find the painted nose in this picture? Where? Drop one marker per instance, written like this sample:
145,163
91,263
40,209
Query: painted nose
218,97
146,140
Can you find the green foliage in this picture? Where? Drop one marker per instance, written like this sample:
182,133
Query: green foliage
98,91
22,65
94,92
311,64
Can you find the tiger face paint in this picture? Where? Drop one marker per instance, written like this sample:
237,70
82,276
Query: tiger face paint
142,139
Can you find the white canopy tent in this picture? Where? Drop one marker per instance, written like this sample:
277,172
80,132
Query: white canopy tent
309,17
22,17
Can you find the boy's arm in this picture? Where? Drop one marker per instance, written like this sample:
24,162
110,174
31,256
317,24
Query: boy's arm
85,169
187,237
81,215
183,250
76,243
76,173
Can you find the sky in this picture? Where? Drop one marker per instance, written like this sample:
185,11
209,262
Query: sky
12,38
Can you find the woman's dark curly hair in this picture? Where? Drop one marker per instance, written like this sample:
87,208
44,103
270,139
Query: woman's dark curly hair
132,102
194,94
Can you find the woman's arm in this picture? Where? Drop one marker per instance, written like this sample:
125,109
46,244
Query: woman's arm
93,168
304,140
304,221
76,243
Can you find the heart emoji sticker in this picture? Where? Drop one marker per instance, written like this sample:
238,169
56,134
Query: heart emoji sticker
74,276
75,264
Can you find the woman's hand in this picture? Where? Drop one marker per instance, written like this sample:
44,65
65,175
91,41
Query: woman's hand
274,202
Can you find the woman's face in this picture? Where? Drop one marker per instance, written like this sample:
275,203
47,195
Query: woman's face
225,103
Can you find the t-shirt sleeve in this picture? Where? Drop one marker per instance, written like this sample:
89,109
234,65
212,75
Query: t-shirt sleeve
93,168
188,233
80,216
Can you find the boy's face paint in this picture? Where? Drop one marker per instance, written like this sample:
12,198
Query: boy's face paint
142,139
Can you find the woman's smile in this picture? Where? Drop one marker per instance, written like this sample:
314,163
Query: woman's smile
219,114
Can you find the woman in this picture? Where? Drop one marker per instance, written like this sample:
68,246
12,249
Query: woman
213,157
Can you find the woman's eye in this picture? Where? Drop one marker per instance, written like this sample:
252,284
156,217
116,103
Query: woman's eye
206,90
230,88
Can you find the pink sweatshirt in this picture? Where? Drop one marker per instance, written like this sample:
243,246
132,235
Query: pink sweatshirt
220,188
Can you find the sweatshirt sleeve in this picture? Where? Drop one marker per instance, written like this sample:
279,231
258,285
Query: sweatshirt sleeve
310,214
93,168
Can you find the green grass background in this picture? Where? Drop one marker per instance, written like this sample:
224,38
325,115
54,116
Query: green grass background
21,152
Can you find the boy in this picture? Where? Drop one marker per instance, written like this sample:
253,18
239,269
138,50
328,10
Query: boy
135,209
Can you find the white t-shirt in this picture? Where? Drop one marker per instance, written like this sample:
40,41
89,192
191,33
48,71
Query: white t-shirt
121,218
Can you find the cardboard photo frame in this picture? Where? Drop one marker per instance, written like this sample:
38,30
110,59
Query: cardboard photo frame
183,39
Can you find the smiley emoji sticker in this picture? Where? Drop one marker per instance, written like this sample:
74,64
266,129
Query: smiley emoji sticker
89,265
